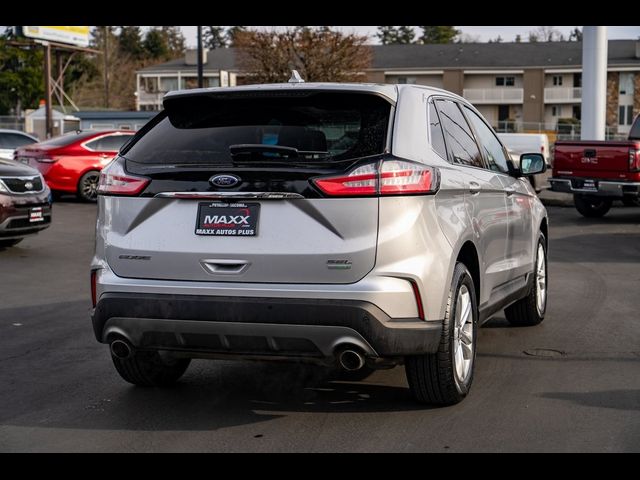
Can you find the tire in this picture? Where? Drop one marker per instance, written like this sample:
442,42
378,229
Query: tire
445,377
530,310
88,186
592,207
149,369
10,243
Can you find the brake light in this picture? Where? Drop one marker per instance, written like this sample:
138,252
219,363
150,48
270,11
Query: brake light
114,180
388,177
94,280
634,160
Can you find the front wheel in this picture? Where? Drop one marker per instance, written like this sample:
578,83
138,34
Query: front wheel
88,186
444,377
530,310
591,206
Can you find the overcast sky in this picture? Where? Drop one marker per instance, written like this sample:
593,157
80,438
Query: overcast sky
483,33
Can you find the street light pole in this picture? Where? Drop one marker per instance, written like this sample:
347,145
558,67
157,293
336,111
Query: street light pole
200,66
594,82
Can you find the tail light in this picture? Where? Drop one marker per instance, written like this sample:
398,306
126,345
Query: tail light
387,177
634,160
114,180
94,280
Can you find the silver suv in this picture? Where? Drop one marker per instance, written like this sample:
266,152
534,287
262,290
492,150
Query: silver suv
361,226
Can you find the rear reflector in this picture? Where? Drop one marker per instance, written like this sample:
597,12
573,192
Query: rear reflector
387,177
94,279
114,180
416,294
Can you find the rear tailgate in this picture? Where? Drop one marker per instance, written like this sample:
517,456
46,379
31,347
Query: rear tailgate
593,159
228,231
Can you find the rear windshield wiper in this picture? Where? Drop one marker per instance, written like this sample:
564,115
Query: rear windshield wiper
249,149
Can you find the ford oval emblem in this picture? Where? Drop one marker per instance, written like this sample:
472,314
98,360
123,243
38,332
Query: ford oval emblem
224,181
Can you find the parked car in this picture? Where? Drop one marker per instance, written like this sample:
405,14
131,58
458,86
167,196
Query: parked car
71,163
360,226
597,173
12,139
520,143
25,203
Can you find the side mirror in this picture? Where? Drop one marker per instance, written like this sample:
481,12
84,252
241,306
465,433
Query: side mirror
532,164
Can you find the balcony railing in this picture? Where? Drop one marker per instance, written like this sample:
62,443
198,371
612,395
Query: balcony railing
562,95
494,96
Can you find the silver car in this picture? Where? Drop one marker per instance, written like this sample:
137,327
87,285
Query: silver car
359,226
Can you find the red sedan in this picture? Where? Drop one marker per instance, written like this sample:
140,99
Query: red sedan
71,163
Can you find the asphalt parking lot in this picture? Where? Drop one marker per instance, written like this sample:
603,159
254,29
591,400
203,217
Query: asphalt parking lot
571,384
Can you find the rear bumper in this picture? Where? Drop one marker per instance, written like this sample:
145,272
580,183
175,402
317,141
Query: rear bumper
603,188
264,327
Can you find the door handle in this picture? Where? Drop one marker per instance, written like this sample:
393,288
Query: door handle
509,191
224,267
474,188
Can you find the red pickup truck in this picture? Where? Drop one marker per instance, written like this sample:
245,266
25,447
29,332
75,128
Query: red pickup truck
597,173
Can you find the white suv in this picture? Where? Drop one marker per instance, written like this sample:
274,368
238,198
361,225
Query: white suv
361,226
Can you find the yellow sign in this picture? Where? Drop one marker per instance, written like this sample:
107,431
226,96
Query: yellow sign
73,35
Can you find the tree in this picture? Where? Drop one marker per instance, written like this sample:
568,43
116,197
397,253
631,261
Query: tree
175,41
214,37
546,34
576,34
233,32
533,37
319,55
518,38
155,45
21,79
391,35
130,41
438,34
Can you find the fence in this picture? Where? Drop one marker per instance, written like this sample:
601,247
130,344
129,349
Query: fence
11,122
554,130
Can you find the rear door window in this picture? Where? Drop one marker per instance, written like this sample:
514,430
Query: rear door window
458,136
297,126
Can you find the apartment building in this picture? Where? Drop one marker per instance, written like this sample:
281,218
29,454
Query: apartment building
516,86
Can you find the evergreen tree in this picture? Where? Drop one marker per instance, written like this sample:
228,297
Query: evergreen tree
438,34
518,38
155,45
175,41
405,35
576,34
387,35
214,37
130,41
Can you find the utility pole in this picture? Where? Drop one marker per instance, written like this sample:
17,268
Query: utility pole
48,122
106,67
594,82
200,66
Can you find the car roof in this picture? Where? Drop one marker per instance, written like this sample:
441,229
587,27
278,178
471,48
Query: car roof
387,90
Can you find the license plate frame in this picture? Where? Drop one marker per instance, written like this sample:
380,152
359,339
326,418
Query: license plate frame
227,219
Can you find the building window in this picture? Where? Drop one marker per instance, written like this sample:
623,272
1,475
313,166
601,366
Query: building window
505,81
577,112
407,80
626,84
577,80
625,115
557,80
150,84
555,111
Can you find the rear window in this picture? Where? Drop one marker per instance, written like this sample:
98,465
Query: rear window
298,126
67,139
14,140
634,134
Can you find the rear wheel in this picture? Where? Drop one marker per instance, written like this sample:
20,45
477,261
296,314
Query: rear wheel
88,186
150,369
444,377
531,309
10,243
592,207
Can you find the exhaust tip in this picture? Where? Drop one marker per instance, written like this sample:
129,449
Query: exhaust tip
120,349
351,360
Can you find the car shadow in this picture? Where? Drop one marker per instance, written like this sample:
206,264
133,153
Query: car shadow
596,247
616,399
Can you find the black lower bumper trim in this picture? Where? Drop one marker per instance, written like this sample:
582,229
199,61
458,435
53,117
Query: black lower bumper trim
252,324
